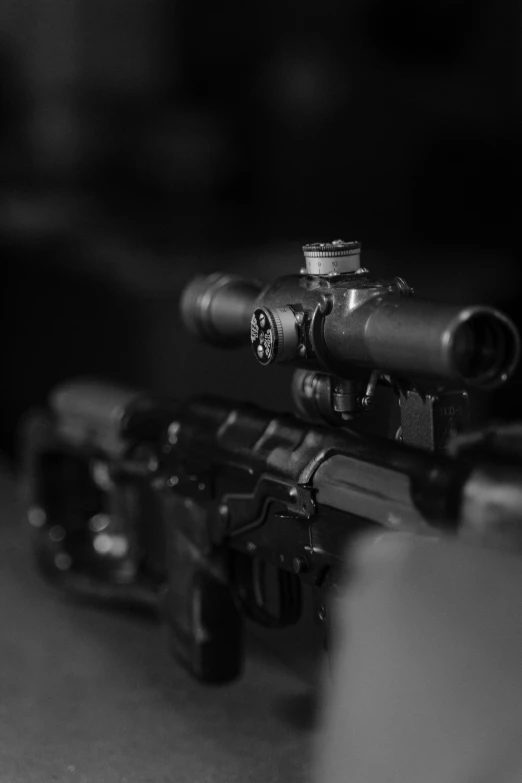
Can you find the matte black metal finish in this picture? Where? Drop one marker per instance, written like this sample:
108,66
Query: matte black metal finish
188,508
352,323
202,499
358,322
218,308
432,420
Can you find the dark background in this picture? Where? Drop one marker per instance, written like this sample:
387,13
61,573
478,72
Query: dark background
144,140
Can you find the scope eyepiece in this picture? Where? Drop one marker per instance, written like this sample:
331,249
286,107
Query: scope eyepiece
218,308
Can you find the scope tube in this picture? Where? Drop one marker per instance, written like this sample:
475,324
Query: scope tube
218,308
416,338
370,325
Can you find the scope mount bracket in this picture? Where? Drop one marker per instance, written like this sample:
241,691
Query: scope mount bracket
430,420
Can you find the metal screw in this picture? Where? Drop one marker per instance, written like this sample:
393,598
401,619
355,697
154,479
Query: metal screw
322,613
223,510
260,351
172,481
302,350
404,288
292,493
262,321
299,319
325,304
367,402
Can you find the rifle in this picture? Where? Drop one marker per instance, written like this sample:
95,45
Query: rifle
207,511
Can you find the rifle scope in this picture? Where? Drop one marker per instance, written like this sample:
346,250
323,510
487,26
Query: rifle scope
341,320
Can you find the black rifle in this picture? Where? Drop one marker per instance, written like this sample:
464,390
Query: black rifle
206,510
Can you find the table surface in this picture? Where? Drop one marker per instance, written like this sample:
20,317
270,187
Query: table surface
87,694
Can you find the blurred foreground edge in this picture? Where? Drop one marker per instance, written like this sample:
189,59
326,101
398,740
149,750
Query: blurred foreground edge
426,666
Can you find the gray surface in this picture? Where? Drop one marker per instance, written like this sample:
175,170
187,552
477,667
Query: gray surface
427,684
90,695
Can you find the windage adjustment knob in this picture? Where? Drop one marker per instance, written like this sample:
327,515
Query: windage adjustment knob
332,258
274,334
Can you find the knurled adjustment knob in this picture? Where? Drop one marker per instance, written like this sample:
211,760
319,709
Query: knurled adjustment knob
274,334
332,258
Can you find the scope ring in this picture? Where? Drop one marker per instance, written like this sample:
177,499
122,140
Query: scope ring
326,360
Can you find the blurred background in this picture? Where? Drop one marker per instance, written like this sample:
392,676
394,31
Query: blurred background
142,141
